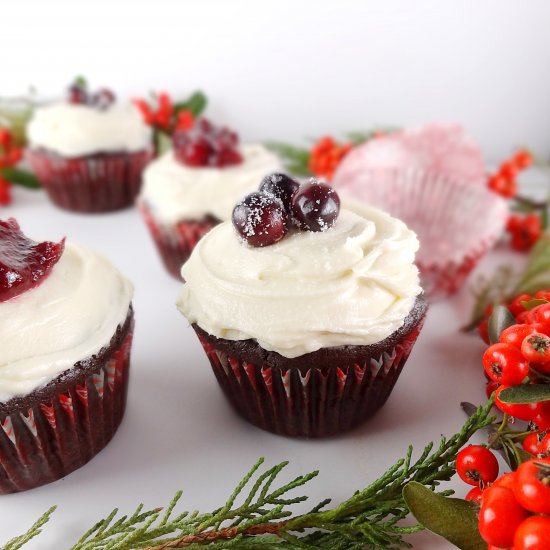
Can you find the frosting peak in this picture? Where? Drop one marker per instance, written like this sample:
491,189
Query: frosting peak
73,130
352,284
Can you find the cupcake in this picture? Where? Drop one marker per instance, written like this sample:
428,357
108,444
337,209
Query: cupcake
194,186
66,322
89,151
307,312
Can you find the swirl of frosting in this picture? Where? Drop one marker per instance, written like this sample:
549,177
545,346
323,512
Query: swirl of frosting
353,284
70,316
175,192
74,130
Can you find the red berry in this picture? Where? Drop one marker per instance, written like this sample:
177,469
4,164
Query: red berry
536,348
491,387
542,418
531,443
476,464
516,306
523,159
532,485
281,186
103,98
474,495
541,314
533,534
499,517
505,364
515,334
5,139
260,219
185,120
5,192
316,206
77,95
503,185
527,411
505,480
543,449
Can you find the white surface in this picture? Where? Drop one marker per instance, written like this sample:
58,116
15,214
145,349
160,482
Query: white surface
180,433
285,69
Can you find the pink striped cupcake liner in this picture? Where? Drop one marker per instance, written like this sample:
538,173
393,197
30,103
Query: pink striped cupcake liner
176,242
456,223
95,183
55,430
310,401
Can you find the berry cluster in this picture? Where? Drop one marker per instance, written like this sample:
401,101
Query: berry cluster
203,144
515,507
78,94
326,155
504,180
10,155
525,231
522,355
264,217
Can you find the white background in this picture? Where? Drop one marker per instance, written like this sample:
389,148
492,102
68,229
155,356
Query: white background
287,69
280,70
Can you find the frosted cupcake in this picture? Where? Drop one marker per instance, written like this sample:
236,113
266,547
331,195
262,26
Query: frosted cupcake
194,186
66,322
89,151
306,313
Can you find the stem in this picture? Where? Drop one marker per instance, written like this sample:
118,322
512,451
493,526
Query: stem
536,205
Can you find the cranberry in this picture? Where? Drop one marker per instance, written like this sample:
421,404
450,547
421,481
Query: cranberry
316,206
260,219
23,263
203,144
103,98
77,94
281,186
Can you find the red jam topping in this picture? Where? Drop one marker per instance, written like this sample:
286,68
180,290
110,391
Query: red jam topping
24,264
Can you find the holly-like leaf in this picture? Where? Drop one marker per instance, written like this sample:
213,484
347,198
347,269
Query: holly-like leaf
196,103
500,319
20,177
532,304
526,393
451,518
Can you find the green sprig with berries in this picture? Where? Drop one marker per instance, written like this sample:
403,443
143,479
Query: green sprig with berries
257,513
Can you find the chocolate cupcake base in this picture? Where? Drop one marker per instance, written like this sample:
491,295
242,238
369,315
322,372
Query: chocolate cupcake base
54,430
322,393
175,243
93,183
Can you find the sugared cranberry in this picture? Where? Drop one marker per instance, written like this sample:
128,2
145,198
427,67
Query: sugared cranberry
316,206
23,263
103,98
204,144
260,219
281,186
77,95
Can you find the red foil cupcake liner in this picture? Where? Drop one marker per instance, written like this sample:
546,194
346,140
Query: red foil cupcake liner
92,183
456,223
53,431
176,242
309,402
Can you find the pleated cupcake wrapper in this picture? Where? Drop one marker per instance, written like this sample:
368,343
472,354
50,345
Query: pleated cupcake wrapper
456,223
95,183
175,242
311,403
53,438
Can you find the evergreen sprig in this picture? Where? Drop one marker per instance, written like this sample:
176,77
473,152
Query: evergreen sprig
36,529
370,517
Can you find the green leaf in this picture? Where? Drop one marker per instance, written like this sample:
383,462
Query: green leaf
500,319
81,82
20,177
531,304
451,518
296,154
196,103
537,273
526,393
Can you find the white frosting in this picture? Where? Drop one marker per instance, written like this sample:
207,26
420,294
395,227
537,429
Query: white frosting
70,316
73,130
352,284
175,192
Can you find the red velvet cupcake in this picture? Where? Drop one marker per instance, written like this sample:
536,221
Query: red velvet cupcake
306,313
194,186
89,151
63,374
